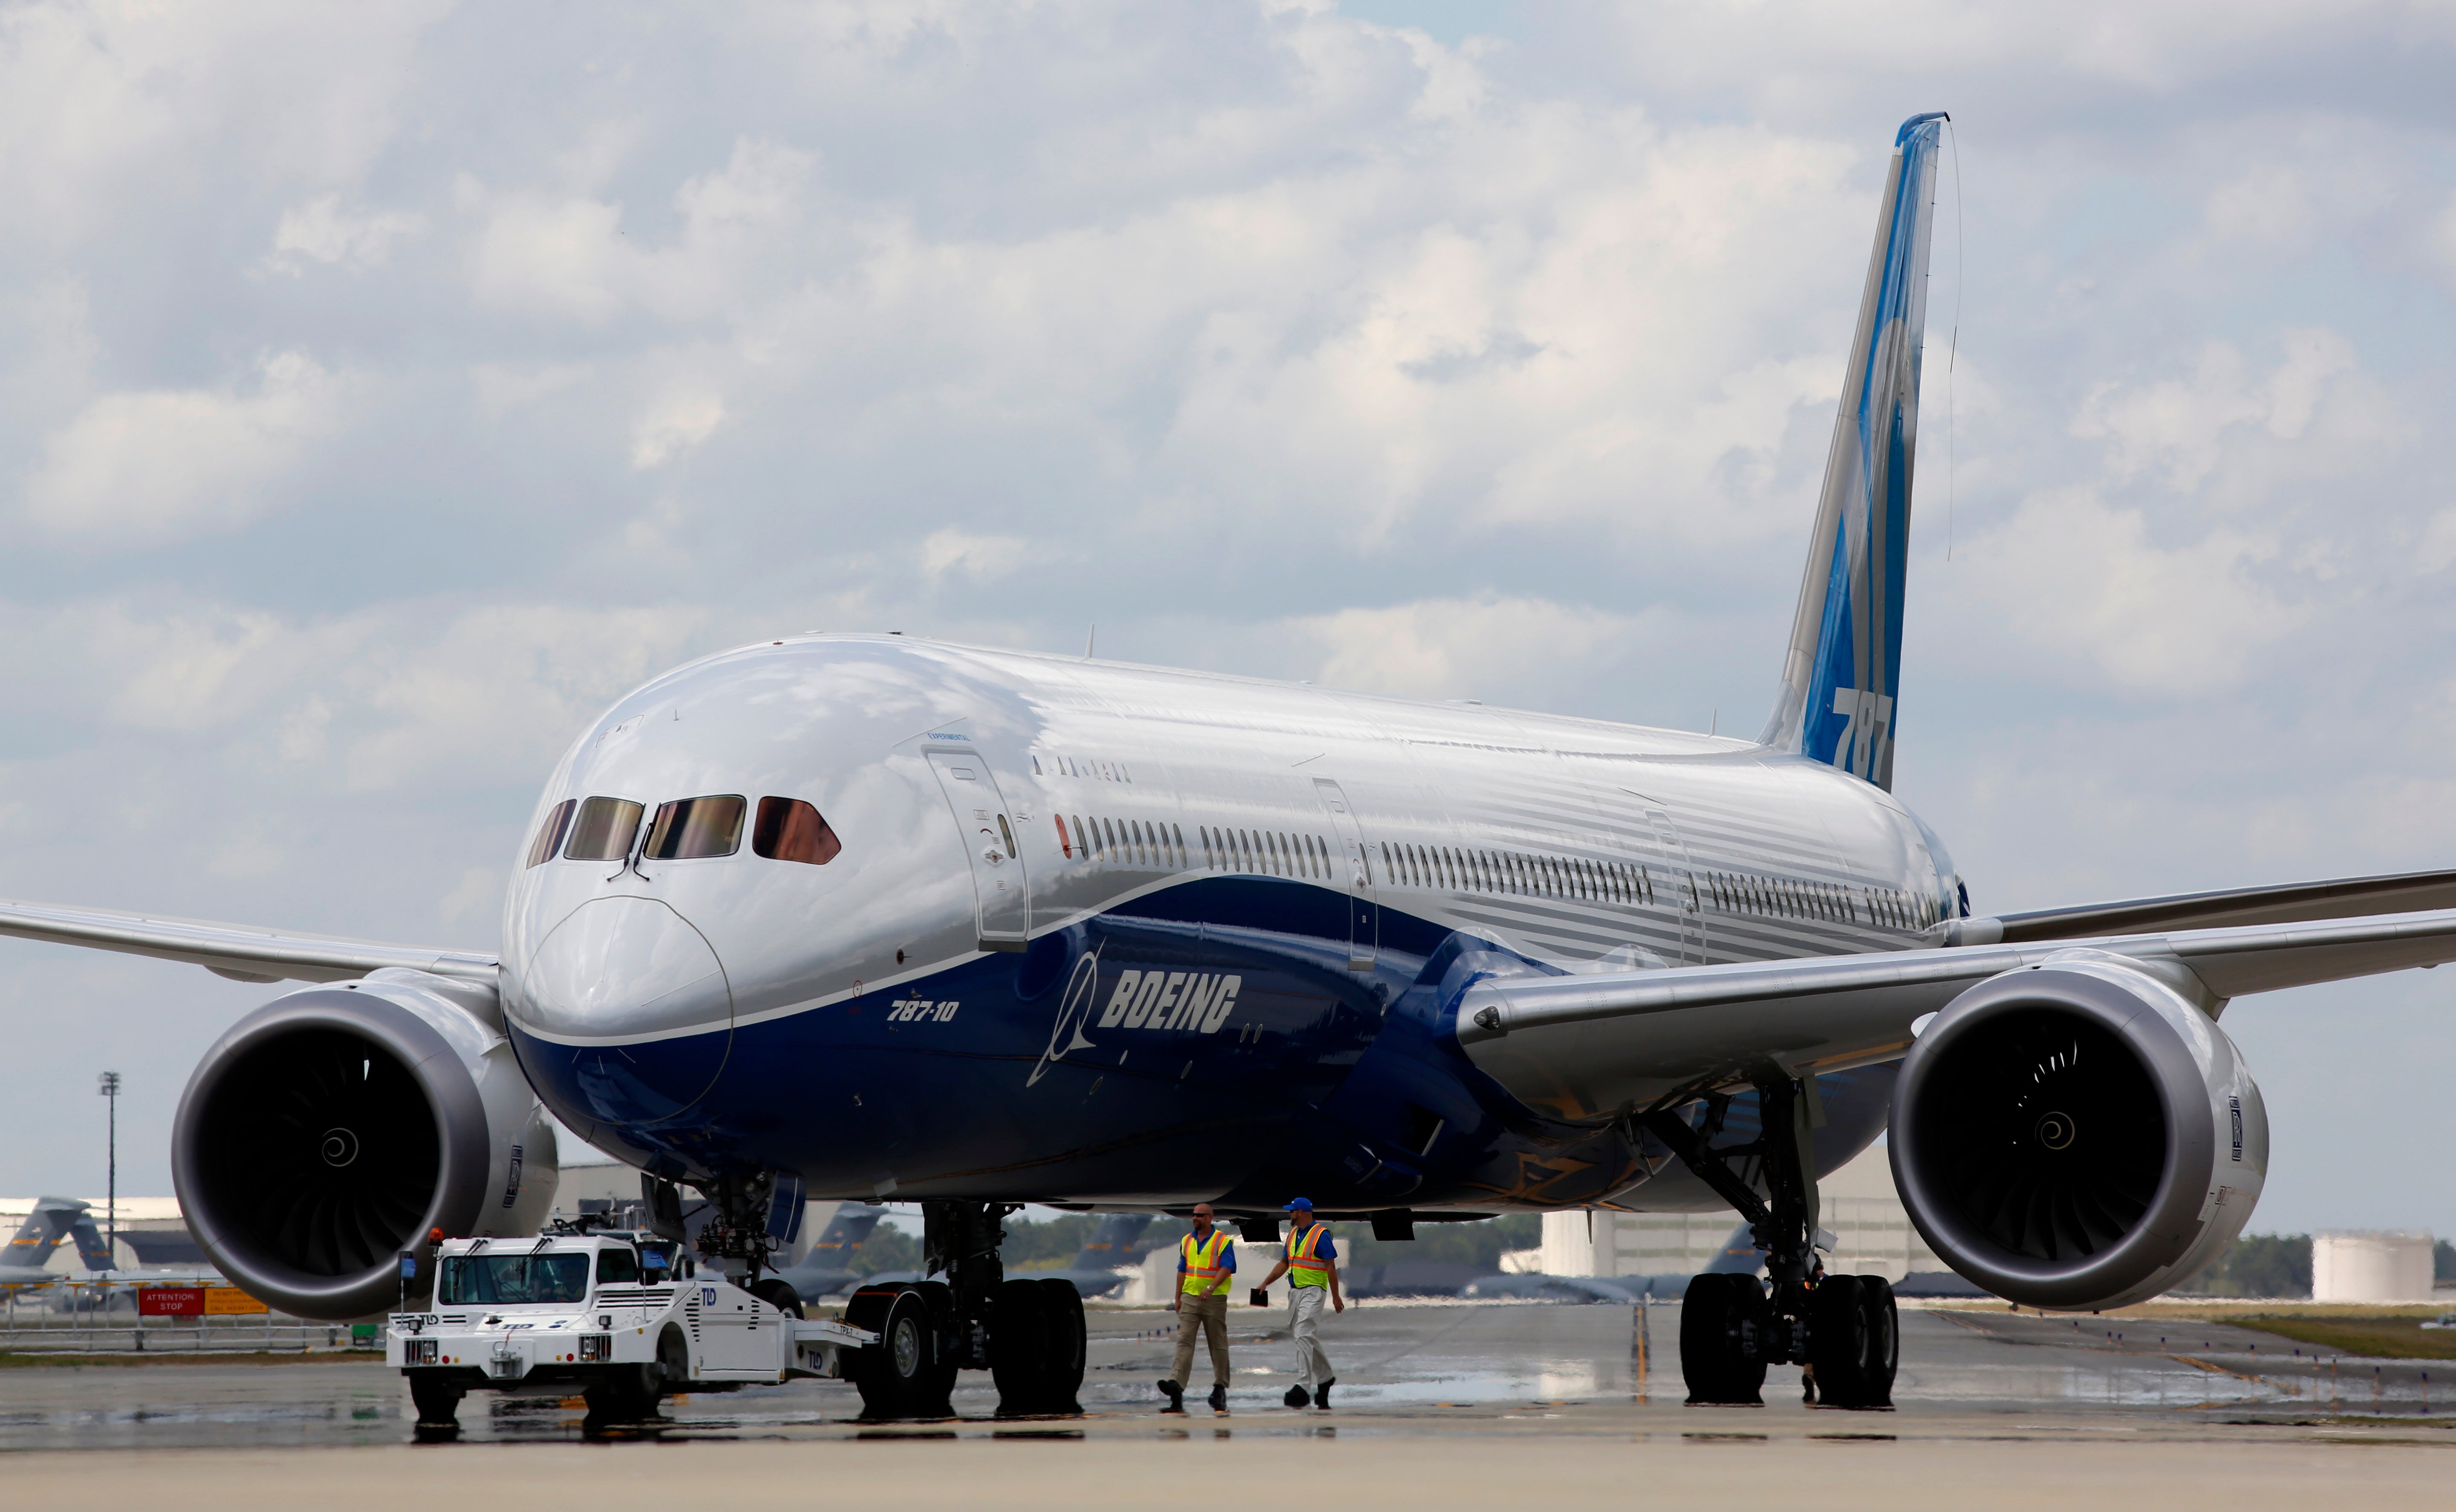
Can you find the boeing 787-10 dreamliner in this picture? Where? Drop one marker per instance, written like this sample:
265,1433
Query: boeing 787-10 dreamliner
860,917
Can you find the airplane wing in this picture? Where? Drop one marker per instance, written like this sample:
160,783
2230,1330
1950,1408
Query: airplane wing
1587,1047
236,950
2294,903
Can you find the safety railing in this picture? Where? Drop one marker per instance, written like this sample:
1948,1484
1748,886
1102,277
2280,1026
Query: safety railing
71,1317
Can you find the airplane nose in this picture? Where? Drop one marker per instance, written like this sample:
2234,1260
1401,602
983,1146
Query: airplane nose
622,967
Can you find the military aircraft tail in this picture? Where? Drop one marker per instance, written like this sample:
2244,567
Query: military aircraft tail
52,1220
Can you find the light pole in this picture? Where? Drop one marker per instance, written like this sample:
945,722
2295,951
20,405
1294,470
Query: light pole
110,1198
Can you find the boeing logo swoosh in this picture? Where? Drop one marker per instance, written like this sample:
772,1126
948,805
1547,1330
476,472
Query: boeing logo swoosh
1066,1035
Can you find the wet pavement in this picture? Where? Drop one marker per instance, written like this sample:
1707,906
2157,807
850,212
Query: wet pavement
1404,1371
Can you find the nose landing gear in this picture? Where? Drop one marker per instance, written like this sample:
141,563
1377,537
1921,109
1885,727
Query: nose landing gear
1845,1328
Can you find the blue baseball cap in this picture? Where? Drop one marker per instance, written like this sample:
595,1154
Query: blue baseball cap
1305,1203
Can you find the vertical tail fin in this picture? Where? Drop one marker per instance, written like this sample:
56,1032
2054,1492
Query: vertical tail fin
44,1228
1842,669
92,1248
845,1234
1111,1243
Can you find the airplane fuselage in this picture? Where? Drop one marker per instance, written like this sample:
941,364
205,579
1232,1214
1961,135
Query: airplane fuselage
1126,935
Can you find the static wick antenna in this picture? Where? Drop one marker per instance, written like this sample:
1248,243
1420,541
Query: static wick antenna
1953,351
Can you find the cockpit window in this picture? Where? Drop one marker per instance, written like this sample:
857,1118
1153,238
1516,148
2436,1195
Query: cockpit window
790,829
549,835
692,828
604,829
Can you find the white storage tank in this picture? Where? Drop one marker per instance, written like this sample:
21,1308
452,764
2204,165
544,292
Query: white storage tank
2370,1265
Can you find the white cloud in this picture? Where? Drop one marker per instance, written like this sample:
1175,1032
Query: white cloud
1455,647
2437,547
476,898
321,231
560,256
246,855
117,111
503,689
2088,589
48,349
544,256
2181,427
138,467
675,424
205,668
503,387
978,557
2267,204
2441,238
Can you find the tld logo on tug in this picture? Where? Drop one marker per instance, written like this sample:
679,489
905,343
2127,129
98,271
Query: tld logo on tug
1182,1000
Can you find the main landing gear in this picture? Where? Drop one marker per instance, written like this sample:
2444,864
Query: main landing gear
1843,1327
1027,1333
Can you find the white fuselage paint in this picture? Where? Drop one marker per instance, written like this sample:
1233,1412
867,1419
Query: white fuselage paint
1577,843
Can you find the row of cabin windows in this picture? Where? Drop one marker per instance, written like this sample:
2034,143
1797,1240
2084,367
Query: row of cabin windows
1136,841
1784,897
1131,842
1279,854
1267,851
684,829
1520,872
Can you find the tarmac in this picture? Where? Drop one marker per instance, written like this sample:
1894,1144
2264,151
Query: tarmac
1438,1405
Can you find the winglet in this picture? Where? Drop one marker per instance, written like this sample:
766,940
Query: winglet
1841,672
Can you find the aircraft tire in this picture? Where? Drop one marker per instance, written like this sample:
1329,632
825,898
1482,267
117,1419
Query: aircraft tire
778,1294
946,1358
1710,1364
1838,1344
1067,1342
438,1400
896,1376
1884,1357
1020,1349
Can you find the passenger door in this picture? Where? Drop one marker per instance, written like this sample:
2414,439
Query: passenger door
1680,889
1364,928
1000,893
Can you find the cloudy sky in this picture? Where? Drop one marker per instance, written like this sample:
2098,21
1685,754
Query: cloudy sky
385,388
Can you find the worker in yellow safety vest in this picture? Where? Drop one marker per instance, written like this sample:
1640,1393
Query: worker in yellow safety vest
1206,1268
1312,1267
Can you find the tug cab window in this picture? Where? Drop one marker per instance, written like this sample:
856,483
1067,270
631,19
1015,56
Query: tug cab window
512,1279
603,830
696,828
549,835
619,1267
790,829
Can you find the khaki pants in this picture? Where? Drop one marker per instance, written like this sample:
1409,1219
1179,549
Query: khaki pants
1305,1327
1202,1314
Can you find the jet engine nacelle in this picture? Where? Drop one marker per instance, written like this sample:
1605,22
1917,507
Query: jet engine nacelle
329,1130
2078,1134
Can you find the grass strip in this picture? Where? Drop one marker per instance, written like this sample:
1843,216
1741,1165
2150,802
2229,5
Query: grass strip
2377,1338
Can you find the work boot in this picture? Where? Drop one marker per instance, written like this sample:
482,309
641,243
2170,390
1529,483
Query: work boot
1219,1397
1298,1396
1321,1393
1175,1395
